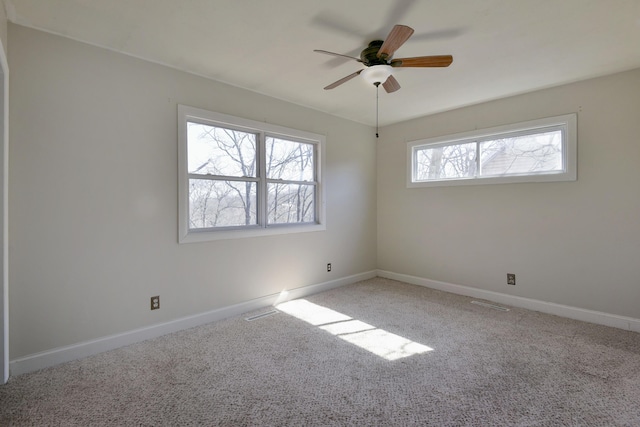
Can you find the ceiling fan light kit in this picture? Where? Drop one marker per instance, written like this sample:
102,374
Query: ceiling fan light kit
376,74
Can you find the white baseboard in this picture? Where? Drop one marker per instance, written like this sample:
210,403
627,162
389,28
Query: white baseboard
597,317
36,361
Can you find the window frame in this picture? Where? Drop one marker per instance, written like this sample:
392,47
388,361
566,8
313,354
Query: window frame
567,124
262,130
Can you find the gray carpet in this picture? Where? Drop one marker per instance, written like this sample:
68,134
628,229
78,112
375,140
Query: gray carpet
484,368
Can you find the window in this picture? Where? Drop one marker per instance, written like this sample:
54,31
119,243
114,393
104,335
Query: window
535,151
241,178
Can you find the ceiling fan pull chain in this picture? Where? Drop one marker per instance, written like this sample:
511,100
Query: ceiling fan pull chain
377,91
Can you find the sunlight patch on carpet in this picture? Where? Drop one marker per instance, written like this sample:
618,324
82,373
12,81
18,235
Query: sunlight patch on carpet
377,341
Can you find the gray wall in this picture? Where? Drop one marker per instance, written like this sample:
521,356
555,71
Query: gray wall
573,243
3,25
93,198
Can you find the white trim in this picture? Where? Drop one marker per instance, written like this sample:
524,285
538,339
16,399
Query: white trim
591,316
56,356
567,123
4,220
185,235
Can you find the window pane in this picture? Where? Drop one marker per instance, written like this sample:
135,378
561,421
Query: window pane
290,203
449,162
289,160
214,203
526,154
218,151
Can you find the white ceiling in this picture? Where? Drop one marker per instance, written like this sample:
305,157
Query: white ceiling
500,47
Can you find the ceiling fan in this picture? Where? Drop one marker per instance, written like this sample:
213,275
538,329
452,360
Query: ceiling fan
377,57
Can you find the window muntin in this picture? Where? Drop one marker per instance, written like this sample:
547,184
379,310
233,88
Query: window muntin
535,151
240,178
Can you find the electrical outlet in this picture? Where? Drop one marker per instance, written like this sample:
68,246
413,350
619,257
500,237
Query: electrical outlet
155,302
329,267
511,279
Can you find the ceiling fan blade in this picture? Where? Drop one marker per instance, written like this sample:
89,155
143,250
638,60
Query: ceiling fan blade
391,85
396,38
342,80
326,52
423,61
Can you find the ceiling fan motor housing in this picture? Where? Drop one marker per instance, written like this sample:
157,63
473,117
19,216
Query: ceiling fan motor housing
369,55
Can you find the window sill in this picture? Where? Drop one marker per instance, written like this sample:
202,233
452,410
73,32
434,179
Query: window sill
196,236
